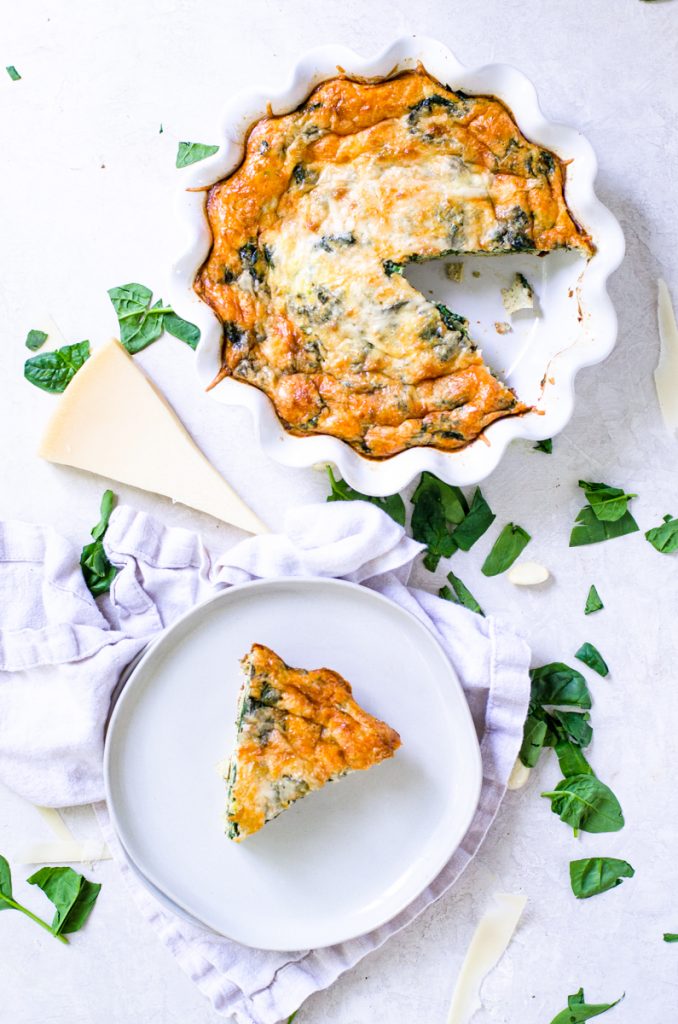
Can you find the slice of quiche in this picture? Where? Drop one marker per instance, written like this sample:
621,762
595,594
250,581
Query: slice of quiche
296,730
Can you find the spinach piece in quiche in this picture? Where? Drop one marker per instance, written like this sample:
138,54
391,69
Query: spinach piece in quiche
593,875
664,538
391,268
453,321
35,340
593,658
96,568
459,593
587,804
191,152
140,323
544,446
510,543
593,601
53,371
393,505
437,509
578,1010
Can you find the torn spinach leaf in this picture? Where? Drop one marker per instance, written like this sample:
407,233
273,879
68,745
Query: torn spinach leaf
7,901
459,593
182,329
53,371
393,505
571,761
544,446
534,736
191,152
578,1010
13,73
437,508
608,503
587,804
593,875
72,895
558,685
670,937
474,524
664,538
589,529
140,323
510,543
99,573
35,340
593,601
592,657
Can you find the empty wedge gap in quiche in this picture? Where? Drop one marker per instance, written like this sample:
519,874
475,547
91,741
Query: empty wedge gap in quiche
310,236
296,730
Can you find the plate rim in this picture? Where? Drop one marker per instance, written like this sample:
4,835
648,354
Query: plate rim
475,766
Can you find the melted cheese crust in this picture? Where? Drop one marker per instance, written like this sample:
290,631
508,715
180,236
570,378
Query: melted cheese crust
311,232
297,730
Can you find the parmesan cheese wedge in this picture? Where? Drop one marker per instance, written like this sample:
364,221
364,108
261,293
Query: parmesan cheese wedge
51,817
73,851
489,942
520,773
528,574
666,374
111,420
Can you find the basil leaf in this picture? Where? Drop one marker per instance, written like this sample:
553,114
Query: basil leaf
593,602
35,340
593,875
670,937
608,503
97,570
591,657
558,684
191,152
534,735
139,325
72,895
393,505
544,446
589,529
665,537
13,73
53,371
474,524
507,547
586,803
182,329
571,760
436,507
460,594
578,1011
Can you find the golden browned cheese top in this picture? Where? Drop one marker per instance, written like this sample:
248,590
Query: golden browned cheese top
297,730
310,235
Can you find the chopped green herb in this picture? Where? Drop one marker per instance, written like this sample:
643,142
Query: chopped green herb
665,537
670,937
393,505
474,524
13,73
589,529
72,895
608,503
584,802
141,325
35,340
53,371
578,1011
544,446
591,657
192,152
437,509
593,875
510,543
96,568
593,602
460,594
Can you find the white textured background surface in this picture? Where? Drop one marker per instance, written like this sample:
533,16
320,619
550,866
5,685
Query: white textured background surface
86,202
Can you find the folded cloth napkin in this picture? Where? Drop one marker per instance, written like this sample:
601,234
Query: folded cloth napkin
61,655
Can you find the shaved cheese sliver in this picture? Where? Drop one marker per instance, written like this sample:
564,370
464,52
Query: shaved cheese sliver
71,851
528,574
519,775
666,374
488,944
56,823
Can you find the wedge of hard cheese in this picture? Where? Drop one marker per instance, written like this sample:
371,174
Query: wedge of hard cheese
112,421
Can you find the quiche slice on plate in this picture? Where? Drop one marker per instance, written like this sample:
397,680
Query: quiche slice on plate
296,730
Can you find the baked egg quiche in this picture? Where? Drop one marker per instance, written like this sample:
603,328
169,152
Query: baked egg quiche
296,730
310,236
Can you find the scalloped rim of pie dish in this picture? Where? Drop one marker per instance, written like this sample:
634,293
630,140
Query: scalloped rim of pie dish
555,361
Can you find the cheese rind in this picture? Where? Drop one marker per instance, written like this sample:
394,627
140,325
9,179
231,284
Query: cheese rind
112,421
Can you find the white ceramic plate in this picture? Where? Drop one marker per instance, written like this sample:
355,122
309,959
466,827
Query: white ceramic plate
539,359
340,862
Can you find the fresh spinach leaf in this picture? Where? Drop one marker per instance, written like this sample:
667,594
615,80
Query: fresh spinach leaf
544,446
670,937
593,875
534,736
507,547
53,371
559,685
570,759
96,568
393,505
437,508
578,1010
608,503
290,1019
474,524
584,802
140,323
191,152
665,537
460,594
13,73
7,901
72,895
593,658
593,602
571,725
589,529
182,329
35,340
